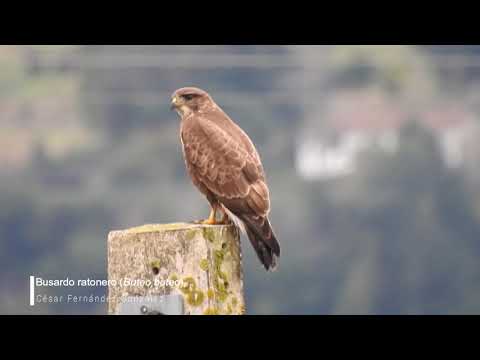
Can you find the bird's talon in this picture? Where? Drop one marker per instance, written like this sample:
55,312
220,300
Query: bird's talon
215,222
206,222
225,221
209,222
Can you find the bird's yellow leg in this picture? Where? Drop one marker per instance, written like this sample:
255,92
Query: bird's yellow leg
212,217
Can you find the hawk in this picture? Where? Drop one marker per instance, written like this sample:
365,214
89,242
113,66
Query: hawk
224,165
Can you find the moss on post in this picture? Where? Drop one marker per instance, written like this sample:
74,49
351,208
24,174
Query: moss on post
203,261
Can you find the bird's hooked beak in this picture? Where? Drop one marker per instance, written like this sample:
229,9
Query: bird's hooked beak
174,103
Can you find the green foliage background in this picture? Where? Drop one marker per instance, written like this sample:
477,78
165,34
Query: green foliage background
90,146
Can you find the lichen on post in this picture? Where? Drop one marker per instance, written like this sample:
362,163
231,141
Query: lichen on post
201,262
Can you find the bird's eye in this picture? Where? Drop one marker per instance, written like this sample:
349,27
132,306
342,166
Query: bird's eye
188,96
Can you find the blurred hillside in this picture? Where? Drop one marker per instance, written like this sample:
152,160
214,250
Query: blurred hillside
371,155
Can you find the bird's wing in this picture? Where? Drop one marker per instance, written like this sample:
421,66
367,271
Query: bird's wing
226,165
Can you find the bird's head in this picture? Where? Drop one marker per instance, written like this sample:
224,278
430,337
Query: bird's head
189,99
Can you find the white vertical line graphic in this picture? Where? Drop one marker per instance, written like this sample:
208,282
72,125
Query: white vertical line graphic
32,290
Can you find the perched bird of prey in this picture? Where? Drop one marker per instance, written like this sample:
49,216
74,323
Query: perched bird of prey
225,166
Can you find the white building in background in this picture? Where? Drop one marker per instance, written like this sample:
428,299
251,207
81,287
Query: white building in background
320,160
454,129
362,121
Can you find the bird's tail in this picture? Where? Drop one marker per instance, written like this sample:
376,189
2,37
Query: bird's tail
262,237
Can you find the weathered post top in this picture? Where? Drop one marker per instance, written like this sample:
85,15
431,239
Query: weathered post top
202,263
